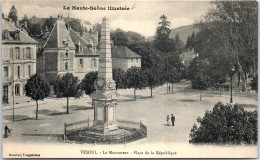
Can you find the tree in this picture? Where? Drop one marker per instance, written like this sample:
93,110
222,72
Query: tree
161,38
200,82
191,41
135,79
179,46
119,37
35,29
75,25
37,88
119,78
49,23
97,28
226,124
24,19
87,84
149,54
234,23
68,86
174,76
13,14
153,78
254,83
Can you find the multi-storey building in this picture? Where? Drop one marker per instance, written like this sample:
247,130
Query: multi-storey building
65,51
18,62
124,58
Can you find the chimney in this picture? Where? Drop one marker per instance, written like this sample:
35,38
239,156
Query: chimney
17,23
25,24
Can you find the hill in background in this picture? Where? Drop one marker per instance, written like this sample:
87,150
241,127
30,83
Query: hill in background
183,31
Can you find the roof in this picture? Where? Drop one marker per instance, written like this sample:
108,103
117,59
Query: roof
123,52
58,35
87,23
24,38
91,37
188,55
23,26
77,39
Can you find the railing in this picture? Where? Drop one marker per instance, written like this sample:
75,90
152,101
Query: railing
81,125
143,129
128,124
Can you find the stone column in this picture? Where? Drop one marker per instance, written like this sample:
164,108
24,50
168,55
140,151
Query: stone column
105,95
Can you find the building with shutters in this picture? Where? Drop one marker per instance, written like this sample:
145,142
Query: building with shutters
18,62
65,51
124,58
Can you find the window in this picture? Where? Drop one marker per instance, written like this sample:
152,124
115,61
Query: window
132,60
94,63
18,72
136,60
28,52
5,72
66,44
17,90
29,70
67,54
11,53
17,52
81,63
66,65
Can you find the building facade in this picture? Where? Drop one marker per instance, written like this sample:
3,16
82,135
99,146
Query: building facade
86,55
65,51
18,62
188,56
124,58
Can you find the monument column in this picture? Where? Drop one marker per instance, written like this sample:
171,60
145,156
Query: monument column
105,95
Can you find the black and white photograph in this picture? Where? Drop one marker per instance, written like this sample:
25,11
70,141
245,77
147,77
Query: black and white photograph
129,79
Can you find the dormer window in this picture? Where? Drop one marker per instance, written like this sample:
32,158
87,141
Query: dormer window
65,42
17,35
6,35
67,54
81,49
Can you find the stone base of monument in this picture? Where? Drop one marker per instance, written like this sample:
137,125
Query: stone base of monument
105,129
120,135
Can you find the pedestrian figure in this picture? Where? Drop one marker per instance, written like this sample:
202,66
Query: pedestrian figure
168,119
7,130
172,119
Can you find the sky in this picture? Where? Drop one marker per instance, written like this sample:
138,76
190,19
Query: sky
143,16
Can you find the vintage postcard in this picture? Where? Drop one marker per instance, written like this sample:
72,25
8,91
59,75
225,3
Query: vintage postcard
129,79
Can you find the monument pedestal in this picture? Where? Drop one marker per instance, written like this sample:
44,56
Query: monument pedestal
104,111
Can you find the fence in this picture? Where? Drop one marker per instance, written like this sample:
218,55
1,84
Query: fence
81,125
129,124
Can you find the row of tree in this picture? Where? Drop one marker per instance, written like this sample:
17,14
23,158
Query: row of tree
69,86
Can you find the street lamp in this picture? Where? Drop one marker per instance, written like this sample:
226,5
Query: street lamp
12,83
232,71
